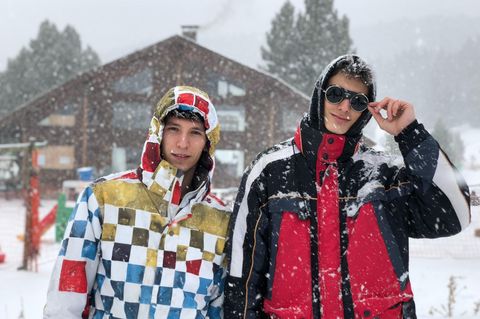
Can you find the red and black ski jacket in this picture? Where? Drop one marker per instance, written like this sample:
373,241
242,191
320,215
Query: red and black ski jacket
320,226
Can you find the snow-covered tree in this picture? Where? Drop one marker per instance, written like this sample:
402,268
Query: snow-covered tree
299,48
50,59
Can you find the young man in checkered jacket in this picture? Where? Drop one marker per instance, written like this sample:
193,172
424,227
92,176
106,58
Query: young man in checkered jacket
148,243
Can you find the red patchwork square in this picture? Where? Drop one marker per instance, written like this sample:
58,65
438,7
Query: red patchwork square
177,192
73,277
185,98
202,104
151,159
169,259
193,266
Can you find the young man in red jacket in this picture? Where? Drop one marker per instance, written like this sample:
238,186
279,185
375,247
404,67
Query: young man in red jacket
321,222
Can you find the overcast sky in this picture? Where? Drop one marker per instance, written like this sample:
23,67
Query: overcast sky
114,28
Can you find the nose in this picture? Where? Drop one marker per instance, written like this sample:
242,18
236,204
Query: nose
182,141
344,106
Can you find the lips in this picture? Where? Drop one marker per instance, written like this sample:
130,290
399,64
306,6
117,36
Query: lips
180,156
340,118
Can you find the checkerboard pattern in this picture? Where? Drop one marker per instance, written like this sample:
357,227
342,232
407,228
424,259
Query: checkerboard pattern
133,263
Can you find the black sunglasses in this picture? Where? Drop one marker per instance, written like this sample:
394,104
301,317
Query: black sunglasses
336,94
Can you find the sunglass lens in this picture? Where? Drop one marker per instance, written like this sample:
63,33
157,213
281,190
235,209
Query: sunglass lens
359,102
334,94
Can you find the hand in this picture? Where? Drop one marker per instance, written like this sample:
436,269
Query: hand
399,114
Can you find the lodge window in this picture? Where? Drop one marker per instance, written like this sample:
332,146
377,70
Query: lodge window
226,89
64,116
231,117
139,83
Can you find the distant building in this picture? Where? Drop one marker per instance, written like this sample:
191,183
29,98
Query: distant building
100,118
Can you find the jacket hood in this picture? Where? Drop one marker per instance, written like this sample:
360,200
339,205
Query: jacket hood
156,173
318,97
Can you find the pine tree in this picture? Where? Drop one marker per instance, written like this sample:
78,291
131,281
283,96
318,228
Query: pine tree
298,49
281,55
51,58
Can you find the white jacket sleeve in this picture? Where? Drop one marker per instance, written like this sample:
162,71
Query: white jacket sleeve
74,271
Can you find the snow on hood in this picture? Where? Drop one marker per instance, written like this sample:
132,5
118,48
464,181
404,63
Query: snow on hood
317,100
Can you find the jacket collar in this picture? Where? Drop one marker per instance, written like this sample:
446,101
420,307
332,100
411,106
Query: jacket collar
328,148
166,182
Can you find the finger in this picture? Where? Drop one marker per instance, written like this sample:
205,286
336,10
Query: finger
396,108
390,109
383,103
372,107
377,116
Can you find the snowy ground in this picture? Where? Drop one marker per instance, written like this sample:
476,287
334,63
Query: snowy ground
430,276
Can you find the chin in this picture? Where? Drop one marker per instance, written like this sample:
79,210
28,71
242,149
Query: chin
336,130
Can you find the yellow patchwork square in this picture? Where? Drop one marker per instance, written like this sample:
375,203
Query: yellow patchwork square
157,223
108,233
208,256
151,257
219,246
174,230
182,253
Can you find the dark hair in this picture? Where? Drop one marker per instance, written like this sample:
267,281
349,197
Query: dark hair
183,114
355,68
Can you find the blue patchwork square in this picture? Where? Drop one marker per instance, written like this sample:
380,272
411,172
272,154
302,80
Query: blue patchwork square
135,273
158,275
107,303
131,309
152,310
118,288
200,315
146,294
174,313
107,264
89,249
185,107
214,312
217,277
164,296
99,279
63,249
95,213
98,314
79,228
179,280
203,286
189,300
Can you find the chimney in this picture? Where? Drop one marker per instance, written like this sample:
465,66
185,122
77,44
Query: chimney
190,32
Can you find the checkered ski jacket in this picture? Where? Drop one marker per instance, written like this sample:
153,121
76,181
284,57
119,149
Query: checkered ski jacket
123,257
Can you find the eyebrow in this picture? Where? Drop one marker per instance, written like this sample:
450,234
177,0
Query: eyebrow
195,128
